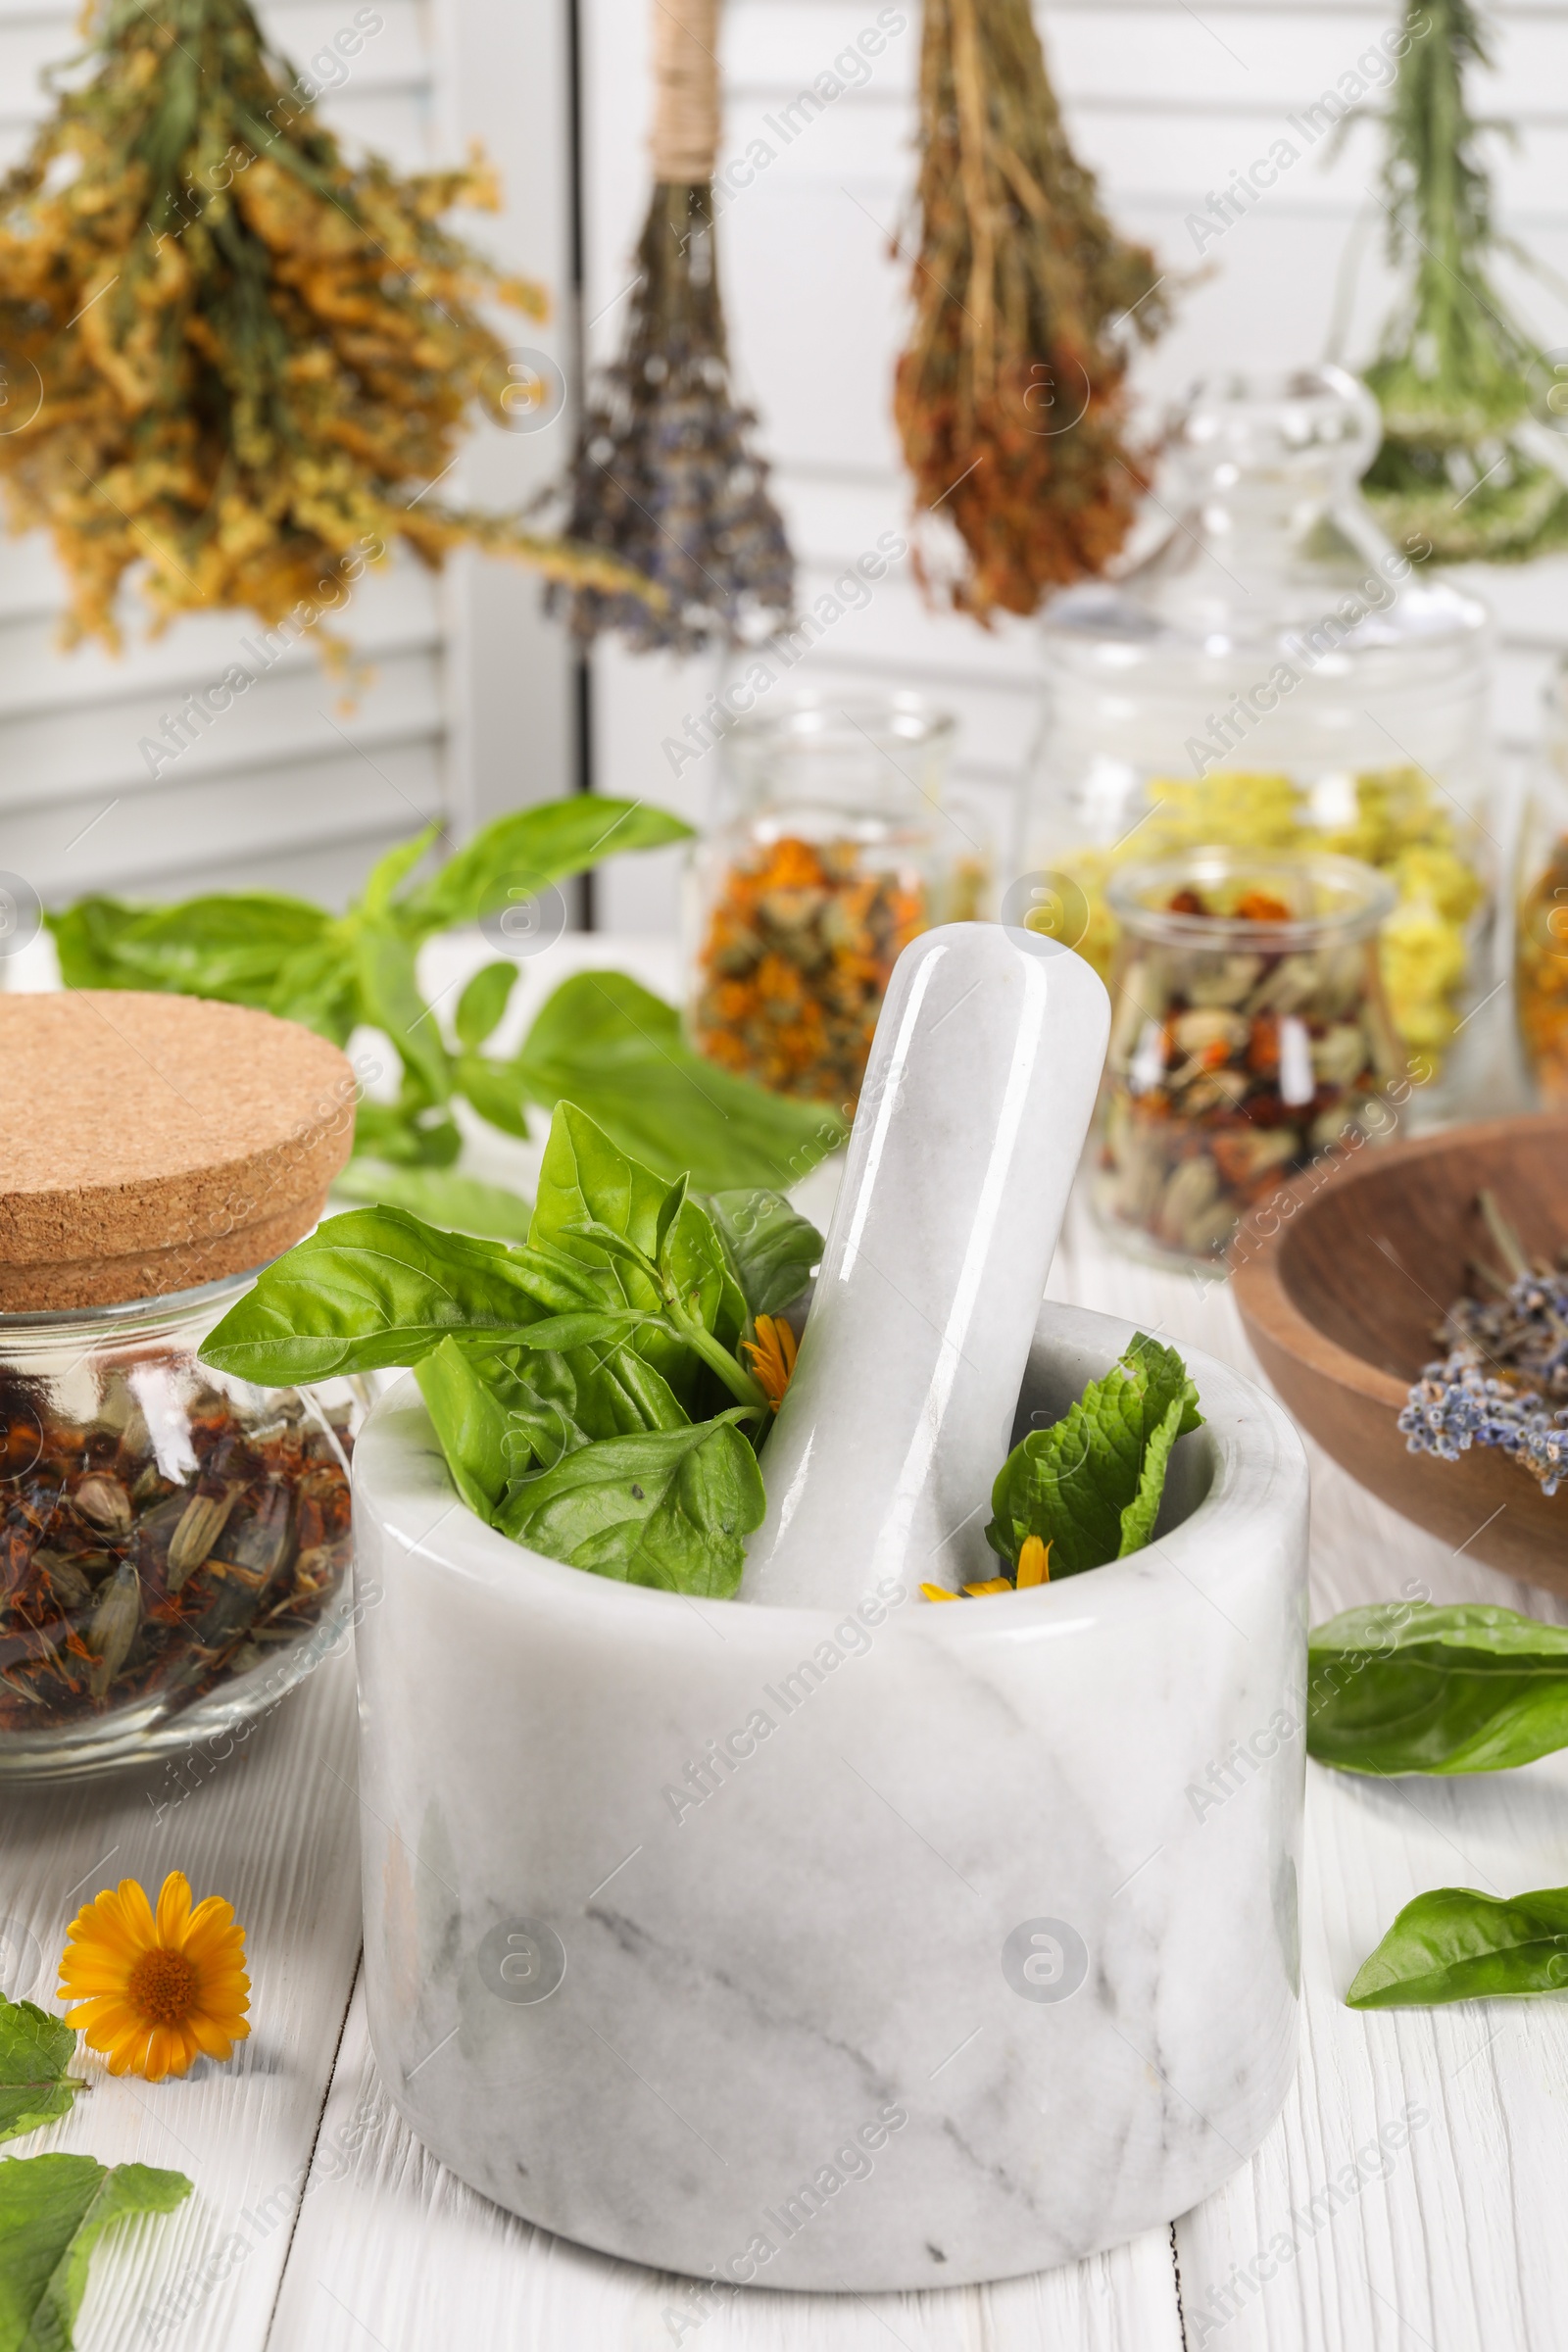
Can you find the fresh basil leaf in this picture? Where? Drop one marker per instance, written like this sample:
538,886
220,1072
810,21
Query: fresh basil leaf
405,1133
1455,1944
463,1397
1407,1686
53,2210
602,1207
588,1329
381,882
1079,1485
390,996
483,1004
771,1248
377,1287
458,1203
495,1091
87,937
37,2086
533,846
319,986
618,1053
671,1509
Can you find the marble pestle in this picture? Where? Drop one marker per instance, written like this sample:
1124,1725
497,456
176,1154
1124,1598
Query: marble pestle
977,1099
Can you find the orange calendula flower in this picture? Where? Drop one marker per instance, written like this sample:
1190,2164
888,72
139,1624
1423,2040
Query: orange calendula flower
153,1991
772,1355
1034,1563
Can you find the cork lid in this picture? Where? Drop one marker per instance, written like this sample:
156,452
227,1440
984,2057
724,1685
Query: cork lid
150,1144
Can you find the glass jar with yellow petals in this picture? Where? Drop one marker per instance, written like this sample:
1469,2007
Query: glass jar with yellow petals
1541,937
1277,678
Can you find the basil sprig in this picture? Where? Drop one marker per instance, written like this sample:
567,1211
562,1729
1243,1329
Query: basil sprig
586,1385
1455,1944
1409,1686
599,1040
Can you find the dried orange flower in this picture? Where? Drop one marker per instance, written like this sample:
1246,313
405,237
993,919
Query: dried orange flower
151,1993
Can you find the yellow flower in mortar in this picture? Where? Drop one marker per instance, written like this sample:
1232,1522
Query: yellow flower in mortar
150,1991
772,1353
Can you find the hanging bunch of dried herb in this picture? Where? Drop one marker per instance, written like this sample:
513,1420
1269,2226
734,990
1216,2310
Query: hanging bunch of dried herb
1010,394
1469,457
230,356
664,475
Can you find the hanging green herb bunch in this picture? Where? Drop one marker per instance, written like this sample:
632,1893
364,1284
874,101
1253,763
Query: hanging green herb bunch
665,477
232,358
1469,457
1010,396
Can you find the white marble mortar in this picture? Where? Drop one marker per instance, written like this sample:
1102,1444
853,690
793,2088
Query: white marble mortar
882,1951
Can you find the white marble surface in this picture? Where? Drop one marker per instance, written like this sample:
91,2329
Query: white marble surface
977,1099
872,1949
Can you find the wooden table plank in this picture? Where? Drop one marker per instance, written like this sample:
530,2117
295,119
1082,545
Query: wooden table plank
271,1825
392,2250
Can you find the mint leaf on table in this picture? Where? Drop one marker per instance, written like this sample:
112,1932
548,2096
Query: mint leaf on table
35,2054
457,1203
1455,1944
1091,1485
1409,1686
53,2210
671,1508
621,1055
771,1248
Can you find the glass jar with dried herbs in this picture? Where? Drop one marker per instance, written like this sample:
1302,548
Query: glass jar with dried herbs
834,847
173,1543
1250,1033
1540,938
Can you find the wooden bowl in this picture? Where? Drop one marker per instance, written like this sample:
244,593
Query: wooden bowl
1341,1306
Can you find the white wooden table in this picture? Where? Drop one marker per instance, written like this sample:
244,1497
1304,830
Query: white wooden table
319,2225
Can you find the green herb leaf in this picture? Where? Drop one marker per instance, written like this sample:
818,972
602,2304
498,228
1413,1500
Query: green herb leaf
771,1248
390,994
407,1134
376,1288
603,1208
463,1395
1455,1944
87,937
35,2054
53,2210
1091,1485
483,1002
458,1203
534,848
670,1509
618,1053
494,1090
381,882
1407,1687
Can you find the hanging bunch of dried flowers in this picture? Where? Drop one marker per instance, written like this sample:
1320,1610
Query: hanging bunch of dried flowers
230,356
1009,397
664,475
1473,456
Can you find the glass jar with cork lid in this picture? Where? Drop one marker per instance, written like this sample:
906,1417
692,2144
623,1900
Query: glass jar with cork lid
173,1543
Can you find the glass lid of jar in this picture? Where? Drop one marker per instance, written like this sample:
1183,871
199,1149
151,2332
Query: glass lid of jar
1268,538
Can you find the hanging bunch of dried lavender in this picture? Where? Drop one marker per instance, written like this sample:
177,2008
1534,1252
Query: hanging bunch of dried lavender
1504,1378
1470,458
664,478
1010,396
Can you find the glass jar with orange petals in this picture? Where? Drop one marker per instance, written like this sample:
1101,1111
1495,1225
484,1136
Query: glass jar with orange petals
833,849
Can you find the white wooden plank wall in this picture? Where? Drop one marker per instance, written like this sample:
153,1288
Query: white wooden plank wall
1165,100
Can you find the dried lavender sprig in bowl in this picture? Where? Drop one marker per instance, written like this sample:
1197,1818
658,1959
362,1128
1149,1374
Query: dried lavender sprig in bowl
1506,1364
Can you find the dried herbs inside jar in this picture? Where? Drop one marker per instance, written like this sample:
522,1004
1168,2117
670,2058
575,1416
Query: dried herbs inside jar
143,1572
797,951
1541,978
1237,1054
